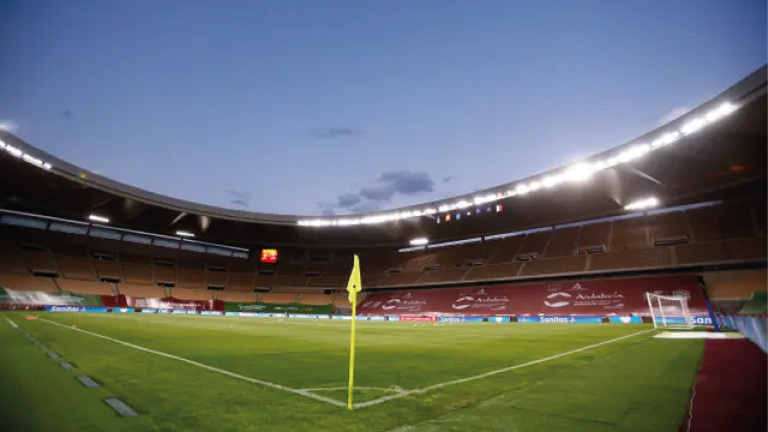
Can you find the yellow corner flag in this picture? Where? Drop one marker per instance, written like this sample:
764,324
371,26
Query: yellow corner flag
354,286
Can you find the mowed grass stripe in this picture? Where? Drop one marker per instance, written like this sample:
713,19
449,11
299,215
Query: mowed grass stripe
204,366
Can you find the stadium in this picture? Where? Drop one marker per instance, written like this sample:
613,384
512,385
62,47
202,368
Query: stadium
129,310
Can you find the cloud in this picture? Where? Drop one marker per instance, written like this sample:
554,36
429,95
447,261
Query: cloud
8,125
673,115
337,132
446,179
239,199
370,198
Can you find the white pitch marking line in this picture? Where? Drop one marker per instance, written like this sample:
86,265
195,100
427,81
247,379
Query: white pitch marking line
487,374
204,366
356,388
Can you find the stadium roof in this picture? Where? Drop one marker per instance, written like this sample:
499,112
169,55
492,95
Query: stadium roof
716,151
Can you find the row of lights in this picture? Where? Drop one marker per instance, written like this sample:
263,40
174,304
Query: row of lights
642,204
104,220
13,151
579,172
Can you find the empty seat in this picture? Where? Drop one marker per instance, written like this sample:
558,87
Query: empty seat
142,291
594,234
726,221
40,261
138,274
164,274
328,282
563,242
237,296
27,282
403,278
666,226
290,281
746,249
700,253
190,278
263,281
108,269
316,299
629,233
572,264
216,278
492,271
85,287
417,261
739,284
240,282
279,298
507,249
73,268
11,261
443,275
656,257
288,268
535,243
191,294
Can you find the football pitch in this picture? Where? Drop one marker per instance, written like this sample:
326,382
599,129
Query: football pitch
206,373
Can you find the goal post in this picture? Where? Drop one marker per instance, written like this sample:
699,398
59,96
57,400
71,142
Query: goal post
669,311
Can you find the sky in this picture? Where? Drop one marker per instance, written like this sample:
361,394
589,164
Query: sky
313,107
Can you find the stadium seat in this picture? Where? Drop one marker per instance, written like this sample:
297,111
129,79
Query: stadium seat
668,226
746,249
563,242
108,269
164,274
328,281
190,278
138,274
316,299
573,264
594,234
493,271
629,234
40,261
85,287
701,253
401,278
27,282
507,250
11,261
735,285
290,281
279,298
240,282
192,294
73,268
633,259
142,291
443,275
263,280
535,243
237,296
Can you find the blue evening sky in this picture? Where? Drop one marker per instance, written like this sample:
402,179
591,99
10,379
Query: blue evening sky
320,106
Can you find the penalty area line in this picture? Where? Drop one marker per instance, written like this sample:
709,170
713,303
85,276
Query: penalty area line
204,366
491,373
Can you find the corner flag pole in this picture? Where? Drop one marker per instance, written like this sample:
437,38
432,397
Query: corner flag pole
354,286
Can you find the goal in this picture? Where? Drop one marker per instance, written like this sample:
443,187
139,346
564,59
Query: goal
669,311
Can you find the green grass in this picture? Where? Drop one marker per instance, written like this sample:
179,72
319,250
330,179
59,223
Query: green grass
635,384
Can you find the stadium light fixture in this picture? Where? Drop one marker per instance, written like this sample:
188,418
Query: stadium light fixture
422,241
13,151
184,234
100,219
642,204
578,172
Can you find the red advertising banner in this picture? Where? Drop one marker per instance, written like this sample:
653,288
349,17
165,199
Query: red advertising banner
603,297
417,318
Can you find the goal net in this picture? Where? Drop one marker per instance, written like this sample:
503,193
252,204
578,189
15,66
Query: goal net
669,311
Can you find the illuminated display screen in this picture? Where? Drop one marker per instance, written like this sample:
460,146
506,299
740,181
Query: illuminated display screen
269,255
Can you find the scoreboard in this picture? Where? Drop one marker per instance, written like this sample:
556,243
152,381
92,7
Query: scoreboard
269,256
